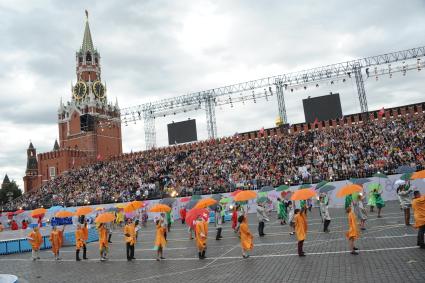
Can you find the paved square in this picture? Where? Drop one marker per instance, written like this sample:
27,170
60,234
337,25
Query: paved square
388,253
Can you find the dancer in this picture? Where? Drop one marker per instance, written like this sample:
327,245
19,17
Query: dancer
56,238
300,220
353,231
183,214
281,211
201,234
291,214
418,205
380,203
160,241
79,241
130,239
404,192
262,217
246,236
218,222
35,240
85,231
359,210
372,200
235,218
324,212
103,242
169,220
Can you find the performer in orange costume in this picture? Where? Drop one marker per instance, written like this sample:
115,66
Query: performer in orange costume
201,234
160,241
35,240
56,238
130,239
103,242
79,241
246,236
353,231
300,220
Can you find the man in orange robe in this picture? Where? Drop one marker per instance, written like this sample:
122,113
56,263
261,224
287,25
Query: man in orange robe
35,240
79,241
85,232
353,231
201,234
246,236
418,205
130,238
103,241
56,238
300,220
160,241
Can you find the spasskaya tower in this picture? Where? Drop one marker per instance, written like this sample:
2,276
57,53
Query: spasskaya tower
89,125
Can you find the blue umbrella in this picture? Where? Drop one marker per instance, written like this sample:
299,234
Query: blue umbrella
326,188
405,169
55,208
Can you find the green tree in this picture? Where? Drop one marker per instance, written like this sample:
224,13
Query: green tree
9,191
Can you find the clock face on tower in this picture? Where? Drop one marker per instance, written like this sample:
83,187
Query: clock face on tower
80,90
99,90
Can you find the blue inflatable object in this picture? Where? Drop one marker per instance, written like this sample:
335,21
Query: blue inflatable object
61,221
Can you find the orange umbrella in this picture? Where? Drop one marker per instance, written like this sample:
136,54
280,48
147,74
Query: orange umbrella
64,214
418,175
105,218
37,212
233,194
303,194
348,190
84,210
204,203
160,208
134,205
245,195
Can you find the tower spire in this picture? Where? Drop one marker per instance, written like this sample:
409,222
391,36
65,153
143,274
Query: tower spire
87,40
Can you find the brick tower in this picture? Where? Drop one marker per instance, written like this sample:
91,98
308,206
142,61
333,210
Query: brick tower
88,122
89,126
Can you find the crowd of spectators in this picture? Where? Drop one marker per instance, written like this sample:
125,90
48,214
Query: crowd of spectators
339,153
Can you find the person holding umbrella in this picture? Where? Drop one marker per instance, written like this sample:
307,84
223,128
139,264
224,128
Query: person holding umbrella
79,241
56,239
418,205
201,235
218,222
262,217
281,211
35,240
404,192
380,203
353,231
103,241
324,212
245,235
182,214
160,241
130,239
300,220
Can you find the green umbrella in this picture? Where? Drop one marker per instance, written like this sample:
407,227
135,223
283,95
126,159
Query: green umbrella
262,199
196,197
305,186
374,186
406,176
380,175
321,184
226,200
242,202
262,194
282,188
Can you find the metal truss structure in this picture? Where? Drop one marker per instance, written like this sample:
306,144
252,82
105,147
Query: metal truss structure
263,88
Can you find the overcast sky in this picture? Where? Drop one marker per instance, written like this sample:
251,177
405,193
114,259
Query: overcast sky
158,49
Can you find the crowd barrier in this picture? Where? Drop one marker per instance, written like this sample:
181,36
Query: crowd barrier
22,245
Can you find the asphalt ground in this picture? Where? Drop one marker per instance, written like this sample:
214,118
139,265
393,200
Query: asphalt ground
388,253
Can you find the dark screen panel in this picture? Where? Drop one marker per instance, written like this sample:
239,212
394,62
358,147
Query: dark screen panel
323,108
181,132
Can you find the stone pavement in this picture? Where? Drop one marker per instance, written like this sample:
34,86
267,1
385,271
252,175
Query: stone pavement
388,253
